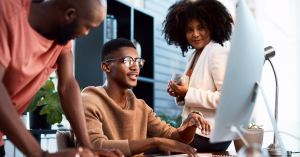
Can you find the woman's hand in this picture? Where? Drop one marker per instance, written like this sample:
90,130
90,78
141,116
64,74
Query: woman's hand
166,145
198,121
178,90
171,91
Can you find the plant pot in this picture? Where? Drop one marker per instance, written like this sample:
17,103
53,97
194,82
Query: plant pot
250,138
37,121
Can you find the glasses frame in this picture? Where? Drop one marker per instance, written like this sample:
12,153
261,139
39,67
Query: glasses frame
130,60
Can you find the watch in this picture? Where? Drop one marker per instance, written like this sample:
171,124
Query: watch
198,113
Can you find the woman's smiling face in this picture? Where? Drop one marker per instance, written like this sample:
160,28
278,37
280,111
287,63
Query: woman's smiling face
197,35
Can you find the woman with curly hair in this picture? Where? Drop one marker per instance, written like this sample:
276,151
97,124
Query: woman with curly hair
203,25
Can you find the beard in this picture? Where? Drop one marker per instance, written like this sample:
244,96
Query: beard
64,34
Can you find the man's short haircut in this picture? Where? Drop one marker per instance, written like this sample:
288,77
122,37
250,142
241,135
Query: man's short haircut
112,46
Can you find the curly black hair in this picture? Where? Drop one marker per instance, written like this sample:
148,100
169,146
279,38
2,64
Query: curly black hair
112,46
212,12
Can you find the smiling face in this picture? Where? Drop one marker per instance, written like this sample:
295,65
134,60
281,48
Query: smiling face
197,35
119,73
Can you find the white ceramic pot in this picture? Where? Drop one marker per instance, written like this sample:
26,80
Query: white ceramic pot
250,138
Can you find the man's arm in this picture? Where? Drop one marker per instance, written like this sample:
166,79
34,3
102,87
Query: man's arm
186,132
12,126
71,103
69,94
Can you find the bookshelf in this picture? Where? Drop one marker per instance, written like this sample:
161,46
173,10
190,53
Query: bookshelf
132,23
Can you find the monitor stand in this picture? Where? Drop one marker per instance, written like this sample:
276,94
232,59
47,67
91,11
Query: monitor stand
275,149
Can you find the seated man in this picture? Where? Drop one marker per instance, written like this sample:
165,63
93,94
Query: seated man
117,119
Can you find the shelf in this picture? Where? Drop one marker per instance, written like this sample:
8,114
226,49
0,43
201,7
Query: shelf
145,79
123,15
132,23
143,33
144,90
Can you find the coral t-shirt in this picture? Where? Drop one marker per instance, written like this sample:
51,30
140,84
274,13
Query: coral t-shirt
28,57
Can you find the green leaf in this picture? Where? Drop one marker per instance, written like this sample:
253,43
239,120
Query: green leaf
49,85
174,121
54,117
33,104
52,109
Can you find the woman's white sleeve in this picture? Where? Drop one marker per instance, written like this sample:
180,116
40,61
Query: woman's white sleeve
206,98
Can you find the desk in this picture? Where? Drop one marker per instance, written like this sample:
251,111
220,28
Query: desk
215,154
37,132
219,154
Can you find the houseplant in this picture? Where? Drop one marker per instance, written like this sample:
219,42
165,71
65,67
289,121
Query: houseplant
174,121
47,97
254,134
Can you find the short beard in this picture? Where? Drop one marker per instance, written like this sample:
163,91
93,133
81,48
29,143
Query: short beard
64,34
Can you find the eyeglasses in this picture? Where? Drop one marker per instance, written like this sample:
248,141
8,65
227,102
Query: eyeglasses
128,61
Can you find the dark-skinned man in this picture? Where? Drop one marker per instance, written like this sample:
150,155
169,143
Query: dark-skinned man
116,118
34,42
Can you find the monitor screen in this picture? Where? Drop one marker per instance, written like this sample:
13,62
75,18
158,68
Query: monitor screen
244,69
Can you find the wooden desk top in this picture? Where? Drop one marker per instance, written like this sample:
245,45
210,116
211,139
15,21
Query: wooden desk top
215,154
219,154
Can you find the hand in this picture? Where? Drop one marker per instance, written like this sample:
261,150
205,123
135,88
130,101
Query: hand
170,90
199,121
179,90
167,145
80,152
108,152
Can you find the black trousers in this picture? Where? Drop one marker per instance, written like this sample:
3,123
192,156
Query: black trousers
202,144
2,151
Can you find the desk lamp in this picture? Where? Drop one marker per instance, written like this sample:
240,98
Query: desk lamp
274,148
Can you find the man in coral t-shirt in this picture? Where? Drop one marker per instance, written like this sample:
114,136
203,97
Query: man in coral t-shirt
34,42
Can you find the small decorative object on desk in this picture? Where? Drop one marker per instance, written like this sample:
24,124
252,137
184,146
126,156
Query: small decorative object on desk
254,135
179,78
253,150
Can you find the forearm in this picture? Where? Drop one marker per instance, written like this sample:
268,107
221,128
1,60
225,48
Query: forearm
186,136
140,146
72,105
201,98
12,126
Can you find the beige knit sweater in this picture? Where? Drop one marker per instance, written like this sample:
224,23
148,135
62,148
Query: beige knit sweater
109,126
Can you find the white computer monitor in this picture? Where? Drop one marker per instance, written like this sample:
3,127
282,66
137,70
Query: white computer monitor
242,80
244,69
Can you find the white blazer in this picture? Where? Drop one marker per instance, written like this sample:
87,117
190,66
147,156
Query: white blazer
205,83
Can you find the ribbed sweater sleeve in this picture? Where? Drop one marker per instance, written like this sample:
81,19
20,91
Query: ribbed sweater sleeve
156,127
95,127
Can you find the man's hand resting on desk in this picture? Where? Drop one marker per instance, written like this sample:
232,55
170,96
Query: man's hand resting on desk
174,146
197,120
83,152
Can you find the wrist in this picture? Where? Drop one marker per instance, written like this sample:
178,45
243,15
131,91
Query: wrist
40,153
197,112
155,142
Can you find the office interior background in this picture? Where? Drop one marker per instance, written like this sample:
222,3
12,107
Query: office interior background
279,22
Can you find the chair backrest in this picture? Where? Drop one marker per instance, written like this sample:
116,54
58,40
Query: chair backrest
64,140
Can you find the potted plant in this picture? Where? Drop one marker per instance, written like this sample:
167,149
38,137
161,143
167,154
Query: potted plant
255,135
174,121
45,103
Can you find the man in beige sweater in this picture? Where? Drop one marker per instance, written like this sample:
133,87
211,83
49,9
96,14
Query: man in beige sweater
117,119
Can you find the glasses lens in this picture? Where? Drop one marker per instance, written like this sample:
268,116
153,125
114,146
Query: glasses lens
128,61
140,62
